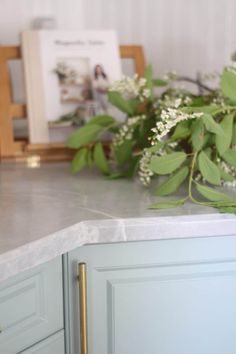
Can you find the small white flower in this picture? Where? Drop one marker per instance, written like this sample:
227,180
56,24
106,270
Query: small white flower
177,102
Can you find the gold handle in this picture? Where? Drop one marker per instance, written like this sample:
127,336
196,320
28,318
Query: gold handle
83,309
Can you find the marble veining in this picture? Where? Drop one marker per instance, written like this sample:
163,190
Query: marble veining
47,212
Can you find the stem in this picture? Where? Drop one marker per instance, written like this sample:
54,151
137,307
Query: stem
223,109
196,82
191,180
108,127
191,177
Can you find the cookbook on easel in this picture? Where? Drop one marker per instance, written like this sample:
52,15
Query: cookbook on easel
67,75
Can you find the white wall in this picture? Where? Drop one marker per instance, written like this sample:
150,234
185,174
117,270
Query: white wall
185,35
17,15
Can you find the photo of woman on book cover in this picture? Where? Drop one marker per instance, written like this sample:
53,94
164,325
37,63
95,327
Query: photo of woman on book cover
101,85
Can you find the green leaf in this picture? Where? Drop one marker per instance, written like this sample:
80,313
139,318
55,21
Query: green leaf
224,203
118,101
90,158
208,151
168,163
181,131
228,84
116,175
225,176
102,120
168,204
230,157
134,103
123,152
234,134
211,125
173,183
114,130
212,194
198,102
224,206
228,209
132,167
223,142
198,136
79,161
155,147
100,159
211,110
208,169
83,136
159,82
148,76
148,73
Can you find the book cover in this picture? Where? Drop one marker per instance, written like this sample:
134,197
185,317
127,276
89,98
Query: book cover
68,75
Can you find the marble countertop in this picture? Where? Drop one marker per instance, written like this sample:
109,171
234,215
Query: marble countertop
46,212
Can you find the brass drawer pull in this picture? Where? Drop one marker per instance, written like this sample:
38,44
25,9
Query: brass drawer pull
83,308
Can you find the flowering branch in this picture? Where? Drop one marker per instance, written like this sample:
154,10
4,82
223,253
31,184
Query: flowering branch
178,137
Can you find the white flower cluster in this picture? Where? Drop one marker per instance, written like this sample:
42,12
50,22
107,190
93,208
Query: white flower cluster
132,87
145,173
127,130
171,102
231,171
169,119
174,102
219,100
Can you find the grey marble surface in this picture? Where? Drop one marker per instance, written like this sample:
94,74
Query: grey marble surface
45,212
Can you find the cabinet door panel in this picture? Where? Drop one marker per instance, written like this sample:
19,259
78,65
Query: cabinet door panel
52,345
31,307
161,297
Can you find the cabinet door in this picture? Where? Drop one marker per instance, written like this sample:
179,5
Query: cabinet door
31,307
52,345
158,297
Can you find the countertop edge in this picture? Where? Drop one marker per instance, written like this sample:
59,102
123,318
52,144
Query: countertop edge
111,231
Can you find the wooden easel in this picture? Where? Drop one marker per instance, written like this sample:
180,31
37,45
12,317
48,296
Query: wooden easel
12,150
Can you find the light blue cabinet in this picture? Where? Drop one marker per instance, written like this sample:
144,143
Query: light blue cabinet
158,297
31,307
52,345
